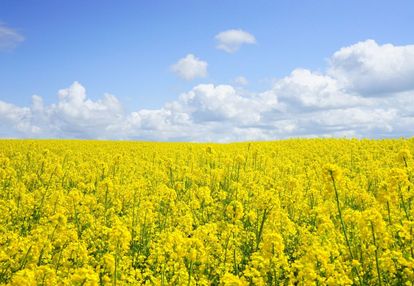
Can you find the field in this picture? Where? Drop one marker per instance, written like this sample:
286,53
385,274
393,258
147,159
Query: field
292,212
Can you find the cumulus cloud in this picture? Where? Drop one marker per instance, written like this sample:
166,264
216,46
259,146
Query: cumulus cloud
231,40
190,67
372,69
209,103
9,38
73,116
305,89
304,103
14,119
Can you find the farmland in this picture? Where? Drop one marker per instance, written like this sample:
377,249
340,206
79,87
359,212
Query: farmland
291,212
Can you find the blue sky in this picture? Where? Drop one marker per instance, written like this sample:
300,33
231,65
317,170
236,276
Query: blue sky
128,49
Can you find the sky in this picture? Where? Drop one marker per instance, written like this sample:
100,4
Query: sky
206,70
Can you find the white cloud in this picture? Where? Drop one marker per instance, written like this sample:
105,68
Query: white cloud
302,104
14,119
209,103
355,120
231,40
9,38
190,67
374,70
305,89
75,115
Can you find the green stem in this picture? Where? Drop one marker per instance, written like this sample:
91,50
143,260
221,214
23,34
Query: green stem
343,223
190,271
376,255
389,212
340,216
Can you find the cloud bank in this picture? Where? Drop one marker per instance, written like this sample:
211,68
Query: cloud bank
366,91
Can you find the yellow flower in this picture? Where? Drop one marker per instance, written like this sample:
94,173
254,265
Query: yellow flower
234,210
332,171
231,280
24,277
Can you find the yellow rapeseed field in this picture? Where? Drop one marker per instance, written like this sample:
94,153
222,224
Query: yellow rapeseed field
292,212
